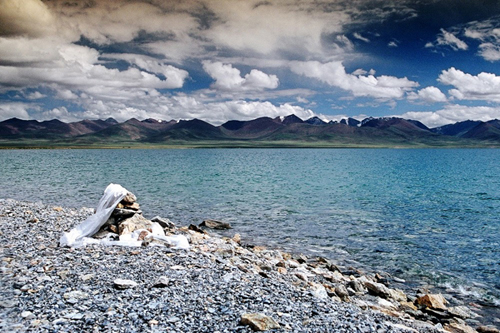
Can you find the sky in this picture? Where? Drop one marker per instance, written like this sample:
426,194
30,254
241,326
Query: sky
436,61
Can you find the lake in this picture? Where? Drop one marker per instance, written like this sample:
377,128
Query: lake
430,216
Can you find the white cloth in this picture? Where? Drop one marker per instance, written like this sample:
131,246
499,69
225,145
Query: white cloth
114,193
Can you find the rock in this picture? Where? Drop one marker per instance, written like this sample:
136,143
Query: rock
75,294
165,223
8,303
433,301
402,327
258,321
487,329
87,277
408,305
459,328
460,312
357,286
124,212
133,223
282,270
162,282
378,289
135,206
196,228
398,295
129,199
341,291
124,284
301,276
27,315
213,224
236,238
319,291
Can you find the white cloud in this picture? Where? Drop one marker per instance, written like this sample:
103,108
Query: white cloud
181,107
488,33
484,86
229,78
392,44
66,67
35,95
361,38
334,74
269,27
429,94
449,39
174,75
25,18
60,113
66,94
451,114
11,110
489,51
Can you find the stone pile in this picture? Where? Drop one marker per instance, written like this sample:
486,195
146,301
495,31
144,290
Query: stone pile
127,217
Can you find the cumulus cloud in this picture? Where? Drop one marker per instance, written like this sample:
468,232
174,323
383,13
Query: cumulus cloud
451,114
229,78
177,107
11,110
484,86
66,94
35,95
429,94
334,74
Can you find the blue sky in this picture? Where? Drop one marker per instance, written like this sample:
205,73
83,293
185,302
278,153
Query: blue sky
435,61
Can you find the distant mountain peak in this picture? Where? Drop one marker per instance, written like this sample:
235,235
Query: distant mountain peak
350,122
315,121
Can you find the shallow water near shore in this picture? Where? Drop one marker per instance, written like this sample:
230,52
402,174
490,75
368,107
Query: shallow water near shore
430,216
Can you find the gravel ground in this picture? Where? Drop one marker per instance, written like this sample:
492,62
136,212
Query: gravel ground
46,288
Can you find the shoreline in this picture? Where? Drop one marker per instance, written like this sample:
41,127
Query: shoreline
207,288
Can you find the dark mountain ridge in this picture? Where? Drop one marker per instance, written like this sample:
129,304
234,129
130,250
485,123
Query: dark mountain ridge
369,132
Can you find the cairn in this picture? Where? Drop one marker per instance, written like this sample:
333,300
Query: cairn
127,217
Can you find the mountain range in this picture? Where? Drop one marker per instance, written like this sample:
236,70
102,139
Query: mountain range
264,131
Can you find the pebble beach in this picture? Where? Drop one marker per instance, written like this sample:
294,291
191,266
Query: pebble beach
220,284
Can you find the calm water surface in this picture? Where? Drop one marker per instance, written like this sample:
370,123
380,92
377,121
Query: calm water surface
428,216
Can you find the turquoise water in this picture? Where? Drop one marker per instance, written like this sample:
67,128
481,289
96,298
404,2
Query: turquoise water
428,216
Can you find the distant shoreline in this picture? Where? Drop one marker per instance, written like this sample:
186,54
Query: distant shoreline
241,145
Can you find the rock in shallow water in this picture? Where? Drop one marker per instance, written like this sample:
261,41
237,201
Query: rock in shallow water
213,224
